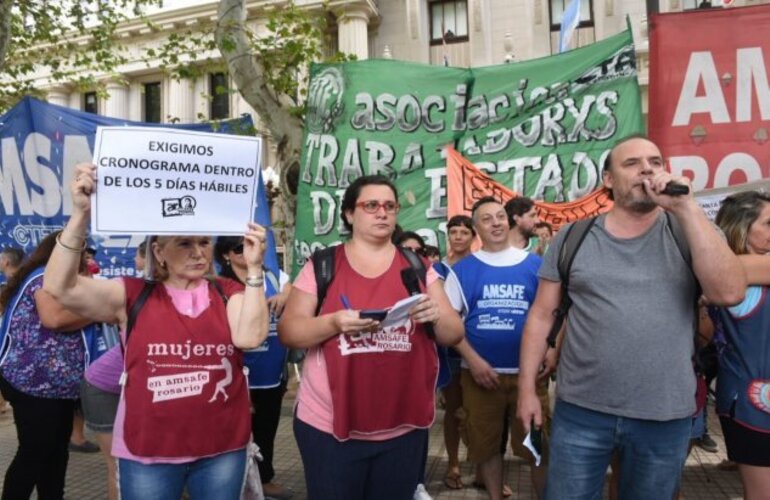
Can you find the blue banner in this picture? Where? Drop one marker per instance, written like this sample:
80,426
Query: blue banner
40,144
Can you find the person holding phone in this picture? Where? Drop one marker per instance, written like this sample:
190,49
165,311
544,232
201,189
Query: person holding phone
367,396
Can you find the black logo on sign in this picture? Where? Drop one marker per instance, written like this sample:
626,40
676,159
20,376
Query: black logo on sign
173,207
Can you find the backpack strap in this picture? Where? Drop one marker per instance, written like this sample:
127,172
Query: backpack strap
576,233
416,263
324,263
323,267
149,286
218,287
684,249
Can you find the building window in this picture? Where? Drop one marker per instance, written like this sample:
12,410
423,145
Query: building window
220,97
448,21
91,103
151,102
557,8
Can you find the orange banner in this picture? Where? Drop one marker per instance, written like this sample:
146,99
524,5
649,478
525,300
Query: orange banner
466,184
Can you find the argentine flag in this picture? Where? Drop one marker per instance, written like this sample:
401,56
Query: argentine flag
569,23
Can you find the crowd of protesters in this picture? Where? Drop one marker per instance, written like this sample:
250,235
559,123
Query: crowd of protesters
178,369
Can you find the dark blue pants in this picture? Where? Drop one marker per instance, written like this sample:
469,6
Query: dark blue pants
361,470
652,454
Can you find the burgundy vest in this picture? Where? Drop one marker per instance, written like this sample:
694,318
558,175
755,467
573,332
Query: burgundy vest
185,392
383,380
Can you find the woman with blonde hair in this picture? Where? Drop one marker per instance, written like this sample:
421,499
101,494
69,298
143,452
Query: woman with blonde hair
183,416
743,381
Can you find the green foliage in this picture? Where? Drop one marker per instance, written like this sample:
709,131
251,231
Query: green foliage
74,40
291,38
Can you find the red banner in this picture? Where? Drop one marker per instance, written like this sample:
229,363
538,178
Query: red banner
466,184
709,94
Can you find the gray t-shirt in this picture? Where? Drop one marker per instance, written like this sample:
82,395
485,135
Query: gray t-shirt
629,339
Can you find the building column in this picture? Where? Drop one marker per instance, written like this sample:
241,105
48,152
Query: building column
353,31
116,103
181,100
76,101
59,96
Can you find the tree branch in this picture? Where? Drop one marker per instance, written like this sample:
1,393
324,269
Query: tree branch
248,74
5,29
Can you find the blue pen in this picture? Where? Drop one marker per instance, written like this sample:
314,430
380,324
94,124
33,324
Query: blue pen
345,302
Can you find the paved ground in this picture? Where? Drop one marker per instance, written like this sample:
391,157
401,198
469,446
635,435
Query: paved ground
86,473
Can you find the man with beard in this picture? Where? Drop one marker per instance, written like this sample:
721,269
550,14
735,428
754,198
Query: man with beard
522,218
625,381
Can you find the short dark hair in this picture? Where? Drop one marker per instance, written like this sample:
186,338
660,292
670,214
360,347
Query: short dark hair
91,251
544,224
13,255
622,140
431,251
608,159
353,191
461,220
483,201
409,235
142,249
518,206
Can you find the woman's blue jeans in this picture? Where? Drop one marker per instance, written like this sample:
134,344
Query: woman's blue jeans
219,477
652,454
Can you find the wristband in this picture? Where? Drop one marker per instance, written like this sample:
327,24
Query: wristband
255,281
69,248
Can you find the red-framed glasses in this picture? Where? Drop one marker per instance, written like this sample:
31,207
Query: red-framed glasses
372,206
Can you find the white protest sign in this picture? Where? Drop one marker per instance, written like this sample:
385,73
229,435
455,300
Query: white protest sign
711,199
167,181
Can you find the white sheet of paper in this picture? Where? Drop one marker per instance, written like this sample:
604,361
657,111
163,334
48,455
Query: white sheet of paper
169,181
528,444
400,311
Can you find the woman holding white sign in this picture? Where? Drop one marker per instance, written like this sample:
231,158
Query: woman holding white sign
183,418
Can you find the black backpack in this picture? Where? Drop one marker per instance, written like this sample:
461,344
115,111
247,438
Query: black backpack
323,266
576,233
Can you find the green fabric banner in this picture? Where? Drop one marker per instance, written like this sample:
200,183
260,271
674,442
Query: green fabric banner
542,127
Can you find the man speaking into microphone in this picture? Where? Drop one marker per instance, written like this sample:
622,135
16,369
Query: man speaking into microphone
625,381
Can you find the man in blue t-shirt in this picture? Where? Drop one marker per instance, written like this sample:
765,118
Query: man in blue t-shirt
493,289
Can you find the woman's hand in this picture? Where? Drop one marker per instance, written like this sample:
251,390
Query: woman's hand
254,247
276,303
348,322
82,187
425,311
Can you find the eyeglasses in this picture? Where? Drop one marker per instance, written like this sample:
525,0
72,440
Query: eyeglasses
372,206
237,249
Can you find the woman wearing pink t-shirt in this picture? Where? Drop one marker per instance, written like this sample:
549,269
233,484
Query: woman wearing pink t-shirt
367,395
183,417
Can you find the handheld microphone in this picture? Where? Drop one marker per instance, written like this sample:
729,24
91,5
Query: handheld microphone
412,283
675,189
